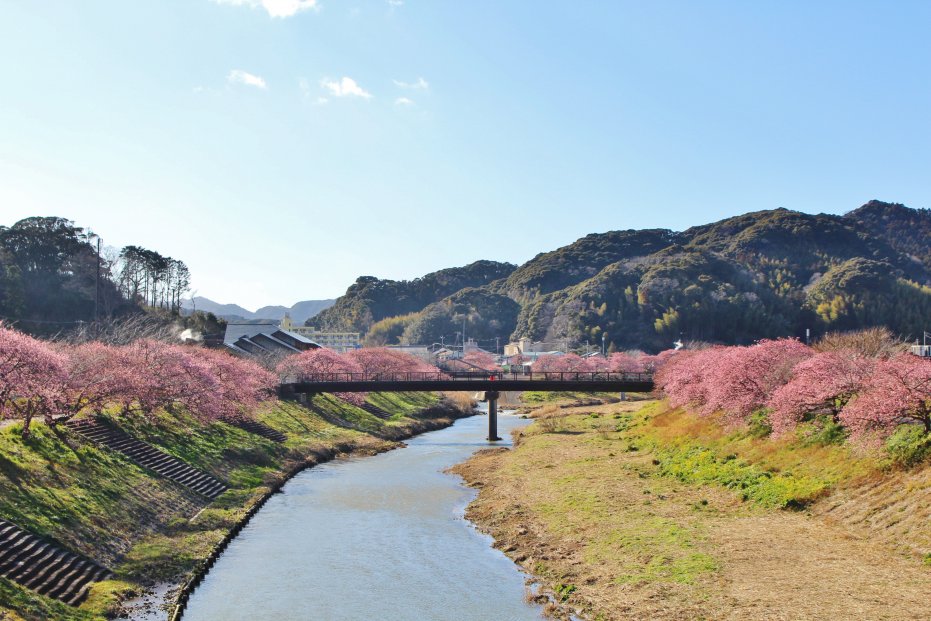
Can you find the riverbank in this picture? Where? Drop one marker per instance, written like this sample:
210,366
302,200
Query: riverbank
632,510
152,531
379,537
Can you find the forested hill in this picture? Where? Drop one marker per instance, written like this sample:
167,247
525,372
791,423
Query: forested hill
761,274
56,279
370,299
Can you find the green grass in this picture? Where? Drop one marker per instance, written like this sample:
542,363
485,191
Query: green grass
537,397
98,503
775,490
790,472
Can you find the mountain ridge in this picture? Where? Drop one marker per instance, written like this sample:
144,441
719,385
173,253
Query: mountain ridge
757,275
300,311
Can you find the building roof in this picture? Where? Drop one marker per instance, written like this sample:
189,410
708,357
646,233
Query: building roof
295,340
234,331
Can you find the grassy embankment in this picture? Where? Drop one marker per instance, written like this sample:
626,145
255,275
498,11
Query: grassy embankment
631,510
148,529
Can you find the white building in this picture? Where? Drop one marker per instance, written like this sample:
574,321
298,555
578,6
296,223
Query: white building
338,341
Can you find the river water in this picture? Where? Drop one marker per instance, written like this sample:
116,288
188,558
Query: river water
378,537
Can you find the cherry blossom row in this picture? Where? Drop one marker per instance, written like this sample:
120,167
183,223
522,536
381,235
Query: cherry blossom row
54,382
790,381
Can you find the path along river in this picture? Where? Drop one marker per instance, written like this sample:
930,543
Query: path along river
370,538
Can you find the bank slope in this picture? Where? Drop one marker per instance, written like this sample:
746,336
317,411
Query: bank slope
626,511
148,529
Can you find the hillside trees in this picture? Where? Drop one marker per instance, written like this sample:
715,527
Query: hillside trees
485,316
152,279
56,268
52,277
11,286
371,299
907,230
388,331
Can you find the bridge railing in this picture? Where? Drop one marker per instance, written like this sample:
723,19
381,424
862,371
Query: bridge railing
474,376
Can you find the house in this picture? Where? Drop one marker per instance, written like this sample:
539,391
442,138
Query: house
526,346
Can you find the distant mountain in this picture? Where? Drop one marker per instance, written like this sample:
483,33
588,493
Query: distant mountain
300,312
759,275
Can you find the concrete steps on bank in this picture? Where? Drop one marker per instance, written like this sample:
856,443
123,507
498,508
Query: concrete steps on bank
148,456
260,429
46,568
374,410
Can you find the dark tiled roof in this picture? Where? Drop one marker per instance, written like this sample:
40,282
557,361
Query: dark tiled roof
234,331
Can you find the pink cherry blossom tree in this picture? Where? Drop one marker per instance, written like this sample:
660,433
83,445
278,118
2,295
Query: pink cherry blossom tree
742,379
387,362
97,374
826,382
897,392
623,362
319,364
683,379
243,383
560,363
481,359
32,379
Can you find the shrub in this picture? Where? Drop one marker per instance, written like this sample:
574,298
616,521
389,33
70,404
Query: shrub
909,446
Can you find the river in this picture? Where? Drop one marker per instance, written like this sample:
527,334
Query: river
363,538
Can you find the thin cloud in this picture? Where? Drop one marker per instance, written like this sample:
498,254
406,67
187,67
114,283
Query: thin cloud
396,3
403,101
276,8
238,76
346,87
419,85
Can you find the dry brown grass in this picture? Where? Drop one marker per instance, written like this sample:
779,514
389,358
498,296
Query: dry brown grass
585,507
462,400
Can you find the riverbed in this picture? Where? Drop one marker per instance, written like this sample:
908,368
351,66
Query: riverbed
380,537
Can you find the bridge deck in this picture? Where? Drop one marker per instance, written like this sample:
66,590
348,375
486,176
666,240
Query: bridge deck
413,382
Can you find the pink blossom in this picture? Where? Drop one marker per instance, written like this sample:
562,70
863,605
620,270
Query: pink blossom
897,392
742,379
824,382
32,378
481,359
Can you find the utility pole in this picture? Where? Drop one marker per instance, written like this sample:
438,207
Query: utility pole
97,286
603,335
92,235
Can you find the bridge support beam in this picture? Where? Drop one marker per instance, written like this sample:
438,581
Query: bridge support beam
492,397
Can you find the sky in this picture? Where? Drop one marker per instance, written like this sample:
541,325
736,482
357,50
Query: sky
282,148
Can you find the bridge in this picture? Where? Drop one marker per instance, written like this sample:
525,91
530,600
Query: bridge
491,383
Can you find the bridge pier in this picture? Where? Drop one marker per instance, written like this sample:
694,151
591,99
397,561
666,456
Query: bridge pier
492,397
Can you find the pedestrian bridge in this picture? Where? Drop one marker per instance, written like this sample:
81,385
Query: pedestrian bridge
491,383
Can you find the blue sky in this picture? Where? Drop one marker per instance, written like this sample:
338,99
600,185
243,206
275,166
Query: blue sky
282,148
